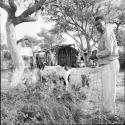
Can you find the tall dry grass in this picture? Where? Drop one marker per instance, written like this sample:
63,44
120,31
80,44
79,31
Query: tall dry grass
42,103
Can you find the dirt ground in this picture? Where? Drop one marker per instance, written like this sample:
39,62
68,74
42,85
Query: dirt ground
94,96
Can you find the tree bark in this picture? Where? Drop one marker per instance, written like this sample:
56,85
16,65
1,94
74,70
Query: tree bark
15,54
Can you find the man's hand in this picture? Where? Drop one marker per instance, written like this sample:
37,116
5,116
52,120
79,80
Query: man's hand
93,55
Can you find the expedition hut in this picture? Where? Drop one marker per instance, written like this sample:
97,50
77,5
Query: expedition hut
66,55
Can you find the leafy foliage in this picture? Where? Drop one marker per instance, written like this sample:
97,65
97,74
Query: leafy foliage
76,19
120,37
50,38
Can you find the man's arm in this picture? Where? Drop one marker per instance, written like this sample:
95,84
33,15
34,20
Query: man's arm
108,46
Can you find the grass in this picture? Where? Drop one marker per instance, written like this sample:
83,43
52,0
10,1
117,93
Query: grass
41,104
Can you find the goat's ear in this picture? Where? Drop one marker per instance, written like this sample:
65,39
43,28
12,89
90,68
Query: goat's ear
44,66
66,68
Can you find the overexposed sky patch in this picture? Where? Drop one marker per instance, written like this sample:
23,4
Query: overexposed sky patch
31,28
116,2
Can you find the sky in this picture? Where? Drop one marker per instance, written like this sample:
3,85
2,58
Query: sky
27,28
30,28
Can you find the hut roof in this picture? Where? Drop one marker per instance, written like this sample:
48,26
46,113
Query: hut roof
63,46
58,47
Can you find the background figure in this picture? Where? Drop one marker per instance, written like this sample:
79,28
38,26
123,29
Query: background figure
51,58
39,62
31,63
107,55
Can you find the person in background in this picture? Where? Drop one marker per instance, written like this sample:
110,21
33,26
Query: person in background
93,58
51,57
107,56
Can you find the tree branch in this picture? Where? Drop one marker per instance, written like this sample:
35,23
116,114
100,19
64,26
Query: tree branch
32,9
12,5
85,24
51,1
97,10
25,16
29,19
92,32
70,19
4,6
19,20
74,39
94,45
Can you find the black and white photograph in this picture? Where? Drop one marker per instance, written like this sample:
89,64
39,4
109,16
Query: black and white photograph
62,62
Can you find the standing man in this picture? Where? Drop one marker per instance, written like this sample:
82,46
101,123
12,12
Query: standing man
51,57
107,55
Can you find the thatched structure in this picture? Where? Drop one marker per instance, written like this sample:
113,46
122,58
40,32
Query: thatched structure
66,55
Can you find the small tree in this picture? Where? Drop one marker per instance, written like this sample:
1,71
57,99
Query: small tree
76,16
116,15
50,38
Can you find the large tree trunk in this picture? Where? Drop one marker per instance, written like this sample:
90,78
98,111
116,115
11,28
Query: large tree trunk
16,57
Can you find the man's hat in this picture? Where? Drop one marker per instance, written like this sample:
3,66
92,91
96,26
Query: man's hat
98,19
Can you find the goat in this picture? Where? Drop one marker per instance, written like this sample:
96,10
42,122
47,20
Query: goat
59,71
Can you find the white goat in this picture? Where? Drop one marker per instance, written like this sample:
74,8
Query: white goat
59,71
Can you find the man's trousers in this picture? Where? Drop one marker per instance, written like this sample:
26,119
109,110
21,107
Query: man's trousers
109,79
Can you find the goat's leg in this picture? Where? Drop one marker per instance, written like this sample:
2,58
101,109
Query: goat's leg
66,76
